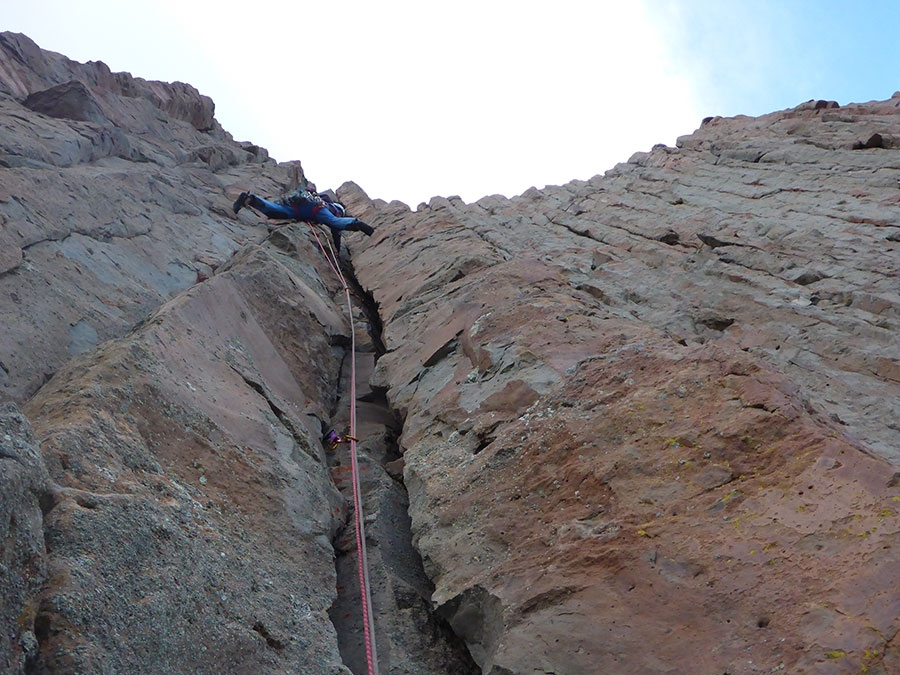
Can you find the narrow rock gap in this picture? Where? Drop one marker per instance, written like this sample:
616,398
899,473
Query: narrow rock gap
12,270
409,635
263,632
99,237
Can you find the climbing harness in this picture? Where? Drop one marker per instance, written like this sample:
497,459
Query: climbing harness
350,438
300,197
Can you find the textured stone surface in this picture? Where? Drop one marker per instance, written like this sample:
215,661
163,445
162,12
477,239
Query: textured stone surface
111,202
22,555
650,419
71,100
192,496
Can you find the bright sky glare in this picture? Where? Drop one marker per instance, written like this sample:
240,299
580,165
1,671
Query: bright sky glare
412,99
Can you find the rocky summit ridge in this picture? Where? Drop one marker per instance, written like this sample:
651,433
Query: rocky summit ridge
643,423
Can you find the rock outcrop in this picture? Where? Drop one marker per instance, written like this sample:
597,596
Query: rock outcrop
112,191
650,419
644,423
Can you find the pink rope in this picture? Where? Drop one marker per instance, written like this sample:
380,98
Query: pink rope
363,561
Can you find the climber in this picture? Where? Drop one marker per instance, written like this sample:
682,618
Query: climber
333,439
305,204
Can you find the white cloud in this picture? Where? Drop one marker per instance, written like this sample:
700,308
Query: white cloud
478,98
409,99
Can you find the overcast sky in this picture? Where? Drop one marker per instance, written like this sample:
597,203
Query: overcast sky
412,99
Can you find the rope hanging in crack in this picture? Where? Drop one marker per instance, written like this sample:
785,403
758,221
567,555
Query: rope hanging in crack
363,563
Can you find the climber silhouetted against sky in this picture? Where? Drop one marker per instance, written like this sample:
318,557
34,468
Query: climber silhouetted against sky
303,204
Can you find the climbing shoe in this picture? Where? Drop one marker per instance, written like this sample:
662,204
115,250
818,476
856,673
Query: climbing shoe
360,226
240,201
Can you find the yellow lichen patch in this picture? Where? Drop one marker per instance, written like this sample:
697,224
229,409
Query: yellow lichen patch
731,495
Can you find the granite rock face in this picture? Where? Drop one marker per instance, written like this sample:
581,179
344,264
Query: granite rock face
644,423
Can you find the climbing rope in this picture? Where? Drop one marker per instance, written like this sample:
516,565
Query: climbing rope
363,562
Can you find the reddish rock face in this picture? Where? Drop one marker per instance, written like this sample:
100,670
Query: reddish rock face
647,422
650,419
